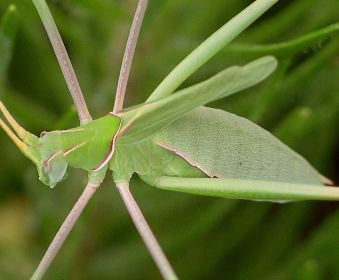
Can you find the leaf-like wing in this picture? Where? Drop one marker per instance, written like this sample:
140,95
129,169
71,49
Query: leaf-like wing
146,120
224,145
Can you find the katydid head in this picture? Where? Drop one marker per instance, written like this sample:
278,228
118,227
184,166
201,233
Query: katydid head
51,164
52,171
54,151
62,148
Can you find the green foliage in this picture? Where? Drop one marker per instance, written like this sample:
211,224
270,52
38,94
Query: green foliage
205,237
8,29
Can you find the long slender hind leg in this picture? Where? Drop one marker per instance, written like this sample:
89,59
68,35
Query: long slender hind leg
146,233
249,189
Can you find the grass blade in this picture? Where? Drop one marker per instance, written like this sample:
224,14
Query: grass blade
8,29
249,189
289,47
210,47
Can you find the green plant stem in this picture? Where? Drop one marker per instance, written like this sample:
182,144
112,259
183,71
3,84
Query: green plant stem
64,230
209,48
128,55
146,233
287,47
249,189
8,30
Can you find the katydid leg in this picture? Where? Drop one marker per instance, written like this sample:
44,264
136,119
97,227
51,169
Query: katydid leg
63,59
146,233
64,230
129,54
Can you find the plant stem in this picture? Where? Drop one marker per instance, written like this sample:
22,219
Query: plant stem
287,47
146,233
249,189
64,230
63,59
210,47
128,55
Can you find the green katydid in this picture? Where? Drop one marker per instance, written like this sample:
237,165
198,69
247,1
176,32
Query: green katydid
171,141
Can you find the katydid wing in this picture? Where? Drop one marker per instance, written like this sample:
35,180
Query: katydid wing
180,164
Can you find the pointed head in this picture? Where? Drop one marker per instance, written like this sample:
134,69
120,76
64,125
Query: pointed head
51,172
51,162
52,169
47,156
89,146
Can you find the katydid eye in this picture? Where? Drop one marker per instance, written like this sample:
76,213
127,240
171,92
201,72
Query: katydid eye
57,169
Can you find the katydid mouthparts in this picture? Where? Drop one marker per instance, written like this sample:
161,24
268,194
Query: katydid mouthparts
171,141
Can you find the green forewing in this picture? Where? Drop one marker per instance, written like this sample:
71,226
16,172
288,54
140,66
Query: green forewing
223,145
148,119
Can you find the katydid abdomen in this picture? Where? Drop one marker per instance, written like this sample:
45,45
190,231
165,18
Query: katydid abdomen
223,145
208,142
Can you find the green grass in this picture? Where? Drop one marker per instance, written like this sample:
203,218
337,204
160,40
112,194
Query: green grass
237,239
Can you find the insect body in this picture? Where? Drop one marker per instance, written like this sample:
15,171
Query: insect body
89,147
240,148
171,141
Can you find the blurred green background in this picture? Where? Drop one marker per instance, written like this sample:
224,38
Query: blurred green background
205,238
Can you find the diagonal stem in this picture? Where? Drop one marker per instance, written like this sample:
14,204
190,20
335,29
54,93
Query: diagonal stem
64,230
128,55
146,233
209,48
63,59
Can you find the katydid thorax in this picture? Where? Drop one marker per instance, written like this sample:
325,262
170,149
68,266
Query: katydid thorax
171,141
89,146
